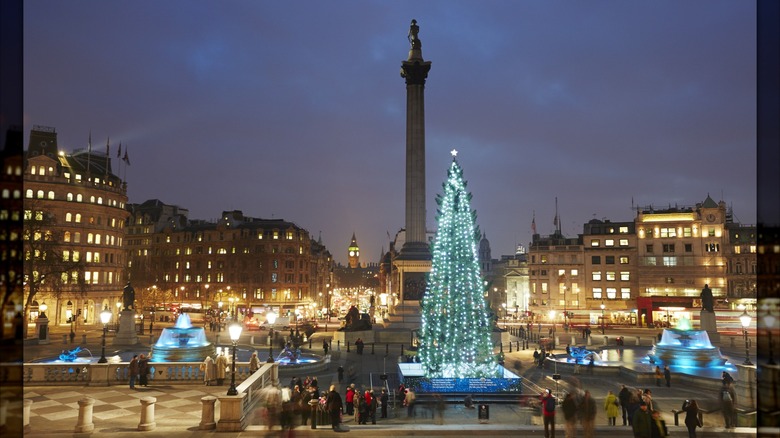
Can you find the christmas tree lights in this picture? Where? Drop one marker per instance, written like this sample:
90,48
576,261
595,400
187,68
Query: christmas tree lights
456,327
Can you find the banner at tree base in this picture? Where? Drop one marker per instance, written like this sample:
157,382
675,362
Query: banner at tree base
412,376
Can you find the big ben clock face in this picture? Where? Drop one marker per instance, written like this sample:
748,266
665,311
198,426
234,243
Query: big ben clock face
357,253
711,217
352,253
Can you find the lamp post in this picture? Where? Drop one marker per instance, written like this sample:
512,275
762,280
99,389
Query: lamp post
769,323
271,318
603,329
235,333
105,317
745,320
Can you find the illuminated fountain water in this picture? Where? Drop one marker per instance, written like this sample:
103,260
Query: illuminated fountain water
182,343
684,346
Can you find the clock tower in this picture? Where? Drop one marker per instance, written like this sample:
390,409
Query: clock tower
354,253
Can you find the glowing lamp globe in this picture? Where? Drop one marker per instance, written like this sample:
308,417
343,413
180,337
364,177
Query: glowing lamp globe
235,331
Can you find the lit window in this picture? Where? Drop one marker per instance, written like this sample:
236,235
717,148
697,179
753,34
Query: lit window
27,194
597,293
687,232
669,261
611,276
596,276
625,293
574,272
623,230
625,276
594,242
609,242
623,260
668,232
623,242
611,293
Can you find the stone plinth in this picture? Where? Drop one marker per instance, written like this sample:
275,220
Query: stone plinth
708,324
745,386
231,413
126,334
42,330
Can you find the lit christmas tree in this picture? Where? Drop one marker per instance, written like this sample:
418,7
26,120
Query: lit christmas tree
455,334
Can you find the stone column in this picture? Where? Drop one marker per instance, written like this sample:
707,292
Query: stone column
85,423
207,414
147,414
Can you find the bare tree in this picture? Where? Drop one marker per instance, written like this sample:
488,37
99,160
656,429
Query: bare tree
49,264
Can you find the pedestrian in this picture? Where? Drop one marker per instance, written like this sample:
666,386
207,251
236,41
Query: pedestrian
208,370
691,408
548,413
132,370
254,363
726,378
383,399
536,356
658,426
221,371
143,370
727,406
590,365
668,376
341,373
570,407
658,375
325,346
588,412
641,422
624,397
334,406
303,406
372,405
409,401
362,407
350,399
612,408
647,397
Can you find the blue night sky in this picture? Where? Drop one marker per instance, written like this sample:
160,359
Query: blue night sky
296,109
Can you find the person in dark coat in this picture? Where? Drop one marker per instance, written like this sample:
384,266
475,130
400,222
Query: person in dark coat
334,406
658,426
569,407
691,408
143,370
588,412
624,396
668,376
384,398
641,422
133,371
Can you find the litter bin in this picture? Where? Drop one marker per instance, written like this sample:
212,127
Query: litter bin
483,413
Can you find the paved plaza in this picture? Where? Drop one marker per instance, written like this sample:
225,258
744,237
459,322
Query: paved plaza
54,409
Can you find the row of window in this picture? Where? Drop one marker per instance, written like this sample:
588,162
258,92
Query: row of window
209,250
612,293
90,277
219,277
595,243
78,197
274,234
7,194
611,276
13,170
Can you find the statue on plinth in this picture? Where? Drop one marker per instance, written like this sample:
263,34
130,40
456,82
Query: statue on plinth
706,299
128,297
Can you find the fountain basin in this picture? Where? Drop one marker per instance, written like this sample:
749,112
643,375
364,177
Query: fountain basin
686,348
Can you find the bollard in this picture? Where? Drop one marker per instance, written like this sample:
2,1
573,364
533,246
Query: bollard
387,349
590,340
637,340
85,423
338,345
252,340
309,343
84,339
510,347
207,414
147,414
64,339
372,348
26,415
347,346
606,340
500,347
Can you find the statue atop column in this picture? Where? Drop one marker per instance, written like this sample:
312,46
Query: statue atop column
414,29
128,297
706,299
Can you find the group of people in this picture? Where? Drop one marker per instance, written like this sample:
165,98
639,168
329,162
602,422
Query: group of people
139,370
362,404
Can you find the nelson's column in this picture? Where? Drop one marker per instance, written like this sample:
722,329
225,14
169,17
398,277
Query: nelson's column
414,260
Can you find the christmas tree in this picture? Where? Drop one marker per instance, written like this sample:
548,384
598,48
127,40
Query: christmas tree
455,333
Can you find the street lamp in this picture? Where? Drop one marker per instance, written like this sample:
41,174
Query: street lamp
745,320
769,323
602,319
43,308
271,318
235,333
105,317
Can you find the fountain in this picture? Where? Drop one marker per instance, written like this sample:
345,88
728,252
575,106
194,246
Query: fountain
686,347
182,343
